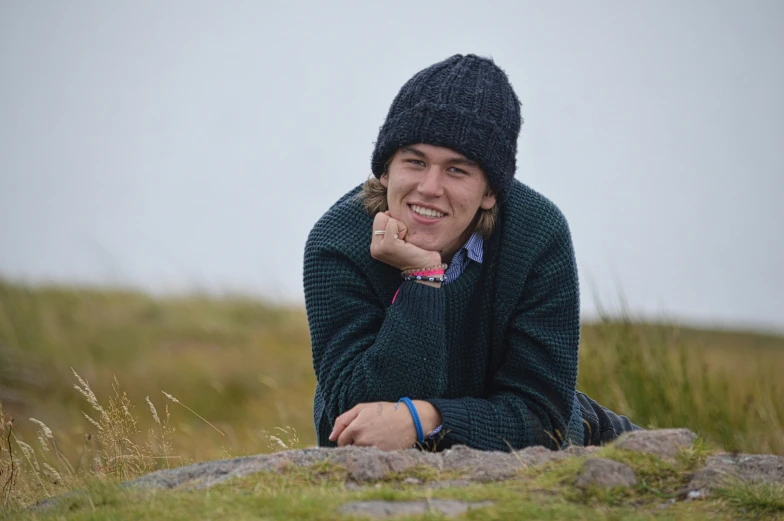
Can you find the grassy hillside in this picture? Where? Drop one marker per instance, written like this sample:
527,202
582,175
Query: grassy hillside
244,370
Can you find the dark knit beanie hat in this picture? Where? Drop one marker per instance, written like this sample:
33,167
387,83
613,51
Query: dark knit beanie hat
465,103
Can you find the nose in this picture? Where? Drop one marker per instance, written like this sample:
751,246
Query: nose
430,184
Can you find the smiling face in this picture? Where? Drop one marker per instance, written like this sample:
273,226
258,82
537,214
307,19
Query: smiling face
436,192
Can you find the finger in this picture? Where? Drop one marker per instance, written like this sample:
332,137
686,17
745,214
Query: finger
343,421
392,229
337,429
400,229
379,223
347,437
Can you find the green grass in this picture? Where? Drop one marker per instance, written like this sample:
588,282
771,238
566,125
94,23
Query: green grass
754,498
245,368
724,386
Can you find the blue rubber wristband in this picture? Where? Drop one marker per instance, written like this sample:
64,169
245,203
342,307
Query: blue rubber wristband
415,415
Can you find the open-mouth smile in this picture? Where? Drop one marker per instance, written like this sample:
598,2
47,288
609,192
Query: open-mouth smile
425,214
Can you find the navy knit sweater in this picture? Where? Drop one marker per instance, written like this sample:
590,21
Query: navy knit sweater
495,351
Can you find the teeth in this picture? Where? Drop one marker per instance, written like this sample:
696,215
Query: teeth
427,212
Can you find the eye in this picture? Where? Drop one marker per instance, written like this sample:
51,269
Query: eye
457,170
415,162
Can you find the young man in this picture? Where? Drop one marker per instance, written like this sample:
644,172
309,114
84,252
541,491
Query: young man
442,294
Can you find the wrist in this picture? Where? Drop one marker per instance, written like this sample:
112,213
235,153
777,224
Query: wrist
432,258
428,415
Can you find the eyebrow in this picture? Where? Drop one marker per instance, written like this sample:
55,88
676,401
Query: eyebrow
450,161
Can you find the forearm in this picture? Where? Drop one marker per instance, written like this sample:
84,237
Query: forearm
502,422
406,355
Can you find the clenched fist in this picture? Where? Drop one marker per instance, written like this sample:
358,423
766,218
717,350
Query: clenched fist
392,248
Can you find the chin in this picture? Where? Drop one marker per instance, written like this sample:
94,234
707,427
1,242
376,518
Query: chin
426,243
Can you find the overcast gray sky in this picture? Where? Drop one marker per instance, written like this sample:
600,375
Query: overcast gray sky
191,145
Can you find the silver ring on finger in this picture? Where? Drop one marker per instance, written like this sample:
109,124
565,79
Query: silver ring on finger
379,232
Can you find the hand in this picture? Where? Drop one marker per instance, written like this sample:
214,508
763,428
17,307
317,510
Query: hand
397,252
385,425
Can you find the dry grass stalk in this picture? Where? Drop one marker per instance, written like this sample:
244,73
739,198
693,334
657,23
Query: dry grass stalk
52,473
153,411
160,443
88,394
29,455
118,452
175,400
277,443
10,481
46,438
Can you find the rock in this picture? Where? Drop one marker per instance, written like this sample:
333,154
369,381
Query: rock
384,509
664,443
482,465
532,456
576,450
370,464
208,474
605,473
695,494
365,466
496,465
760,468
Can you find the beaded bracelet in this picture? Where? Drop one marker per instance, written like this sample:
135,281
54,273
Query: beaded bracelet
442,266
425,274
425,278
429,268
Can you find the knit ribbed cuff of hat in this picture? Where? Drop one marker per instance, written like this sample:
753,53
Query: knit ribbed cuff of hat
477,138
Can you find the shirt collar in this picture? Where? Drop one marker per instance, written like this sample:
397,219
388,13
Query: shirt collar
474,247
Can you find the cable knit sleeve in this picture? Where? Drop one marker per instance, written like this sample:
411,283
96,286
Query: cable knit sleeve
530,397
362,351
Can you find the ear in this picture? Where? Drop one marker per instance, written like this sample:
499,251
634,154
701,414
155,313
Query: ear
488,200
384,179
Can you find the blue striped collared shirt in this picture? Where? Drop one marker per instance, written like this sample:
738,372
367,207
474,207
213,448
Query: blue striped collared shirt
473,250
